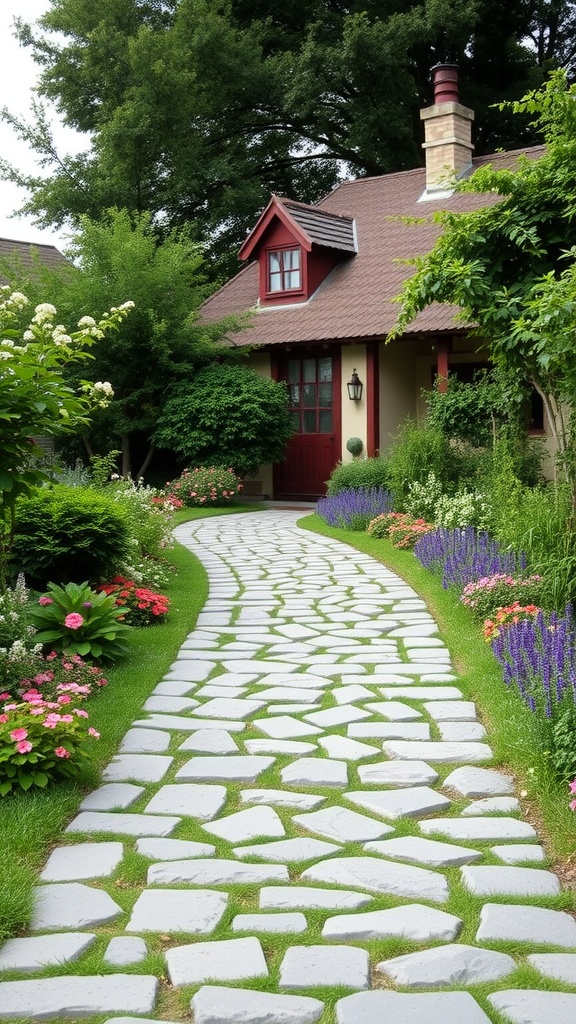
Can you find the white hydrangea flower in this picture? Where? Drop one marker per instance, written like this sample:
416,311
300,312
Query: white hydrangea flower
43,312
87,321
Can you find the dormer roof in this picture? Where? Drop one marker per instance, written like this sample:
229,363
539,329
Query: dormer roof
309,225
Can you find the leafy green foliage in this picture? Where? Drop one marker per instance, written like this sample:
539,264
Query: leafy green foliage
281,98
78,620
35,399
69,534
124,255
417,451
226,416
562,751
359,474
511,264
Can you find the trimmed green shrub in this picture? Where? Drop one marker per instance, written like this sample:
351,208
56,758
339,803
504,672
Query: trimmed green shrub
69,534
362,474
226,416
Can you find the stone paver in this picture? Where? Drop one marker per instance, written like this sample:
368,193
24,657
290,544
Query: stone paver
213,1004
71,997
315,679
83,860
447,965
305,966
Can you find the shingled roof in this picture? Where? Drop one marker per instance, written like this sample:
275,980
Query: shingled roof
356,299
48,255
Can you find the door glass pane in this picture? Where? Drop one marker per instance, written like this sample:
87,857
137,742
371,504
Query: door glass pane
325,368
293,370
309,422
294,391
325,395
295,417
309,374
325,425
309,396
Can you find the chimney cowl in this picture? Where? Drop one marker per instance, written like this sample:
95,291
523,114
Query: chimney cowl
445,82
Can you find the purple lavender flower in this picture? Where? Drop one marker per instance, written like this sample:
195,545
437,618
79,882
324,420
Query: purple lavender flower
353,508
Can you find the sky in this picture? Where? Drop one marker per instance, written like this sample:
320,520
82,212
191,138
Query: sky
17,78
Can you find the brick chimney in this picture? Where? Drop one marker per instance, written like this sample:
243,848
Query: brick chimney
447,131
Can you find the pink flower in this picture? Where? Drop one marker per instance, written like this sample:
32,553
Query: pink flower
64,699
45,600
3,719
51,656
572,786
18,734
5,696
94,733
61,752
80,712
73,621
572,805
66,718
24,747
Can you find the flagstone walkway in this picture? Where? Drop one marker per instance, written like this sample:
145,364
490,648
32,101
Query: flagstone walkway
309,789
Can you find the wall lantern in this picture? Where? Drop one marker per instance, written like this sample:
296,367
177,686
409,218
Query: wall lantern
354,386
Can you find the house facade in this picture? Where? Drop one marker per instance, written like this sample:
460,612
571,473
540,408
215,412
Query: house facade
322,282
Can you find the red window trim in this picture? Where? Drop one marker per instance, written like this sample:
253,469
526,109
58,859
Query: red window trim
283,292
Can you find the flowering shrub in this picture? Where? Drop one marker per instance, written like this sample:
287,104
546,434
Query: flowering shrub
353,509
486,595
506,617
422,498
380,526
54,675
149,514
40,740
19,651
465,508
140,606
464,555
401,529
216,486
78,620
405,533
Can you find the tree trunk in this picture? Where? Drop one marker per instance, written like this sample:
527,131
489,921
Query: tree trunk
125,441
147,461
87,445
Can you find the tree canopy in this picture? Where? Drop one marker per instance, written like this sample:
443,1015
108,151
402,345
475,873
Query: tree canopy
511,264
161,342
197,109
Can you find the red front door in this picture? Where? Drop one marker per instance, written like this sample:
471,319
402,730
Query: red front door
314,394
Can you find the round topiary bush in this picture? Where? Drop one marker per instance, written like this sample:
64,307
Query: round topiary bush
226,416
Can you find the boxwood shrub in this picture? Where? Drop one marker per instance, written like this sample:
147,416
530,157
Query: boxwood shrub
67,534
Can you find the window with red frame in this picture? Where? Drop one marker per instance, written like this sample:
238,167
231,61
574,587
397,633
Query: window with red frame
284,270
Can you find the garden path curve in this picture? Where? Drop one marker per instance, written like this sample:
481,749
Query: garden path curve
324,837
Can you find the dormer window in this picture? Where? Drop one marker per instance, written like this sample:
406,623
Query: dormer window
284,270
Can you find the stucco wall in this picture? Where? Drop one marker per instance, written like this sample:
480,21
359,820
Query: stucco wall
402,374
354,414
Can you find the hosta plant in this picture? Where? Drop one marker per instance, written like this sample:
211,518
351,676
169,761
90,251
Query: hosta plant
41,740
77,620
140,606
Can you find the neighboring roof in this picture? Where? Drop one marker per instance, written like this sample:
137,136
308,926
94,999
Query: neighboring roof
310,225
356,299
49,255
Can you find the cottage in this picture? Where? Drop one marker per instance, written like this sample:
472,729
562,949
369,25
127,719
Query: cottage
322,281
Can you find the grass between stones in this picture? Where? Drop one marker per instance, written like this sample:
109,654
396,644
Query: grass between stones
512,729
